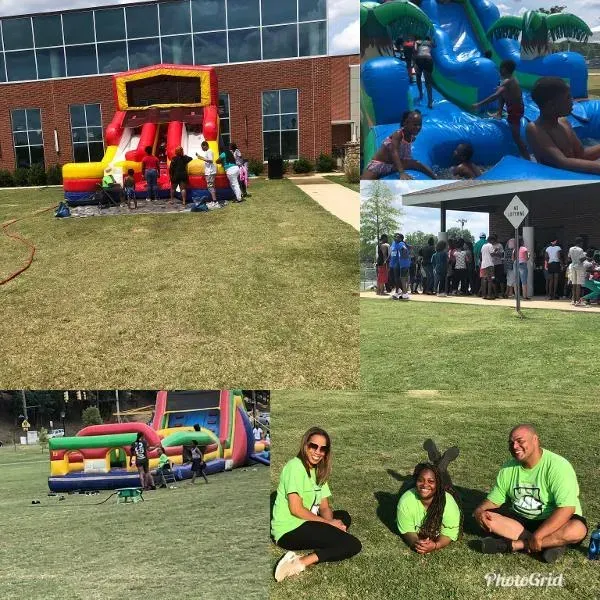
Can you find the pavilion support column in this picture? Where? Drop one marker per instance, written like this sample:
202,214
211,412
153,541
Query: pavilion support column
443,235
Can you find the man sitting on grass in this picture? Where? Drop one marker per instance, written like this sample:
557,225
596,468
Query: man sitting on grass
540,494
551,136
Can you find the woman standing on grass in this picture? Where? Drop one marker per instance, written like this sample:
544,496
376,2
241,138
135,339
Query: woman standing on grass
302,518
428,516
227,159
178,174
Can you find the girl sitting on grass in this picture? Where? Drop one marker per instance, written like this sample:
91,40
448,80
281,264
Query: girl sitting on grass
302,518
428,516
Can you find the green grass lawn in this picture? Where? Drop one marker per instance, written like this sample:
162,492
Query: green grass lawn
408,346
207,541
594,84
377,440
260,294
341,179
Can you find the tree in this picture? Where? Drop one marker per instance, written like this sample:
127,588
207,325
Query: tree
91,416
457,232
378,215
418,239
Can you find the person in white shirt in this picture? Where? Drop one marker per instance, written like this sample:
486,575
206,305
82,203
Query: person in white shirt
577,256
210,169
257,433
488,286
554,258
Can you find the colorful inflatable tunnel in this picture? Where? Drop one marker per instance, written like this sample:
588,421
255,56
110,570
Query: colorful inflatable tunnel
162,106
97,458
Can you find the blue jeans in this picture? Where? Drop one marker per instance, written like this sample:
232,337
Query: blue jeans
429,281
152,183
523,273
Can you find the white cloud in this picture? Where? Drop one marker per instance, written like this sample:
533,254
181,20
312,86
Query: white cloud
342,8
347,40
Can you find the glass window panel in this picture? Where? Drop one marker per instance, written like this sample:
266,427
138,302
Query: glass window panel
143,53
47,30
174,17
311,10
313,38
20,138
79,134
142,21
94,134
289,121
224,125
93,116
112,57
271,141
208,15
80,153
243,13
81,60
280,42
20,65
34,118
271,103
225,140
210,48
22,156
244,45
177,50
289,101
224,105
271,123
2,71
19,120
96,151
78,27
77,115
17,33
289,145
50,63
276,11
110,24
37,155
35,137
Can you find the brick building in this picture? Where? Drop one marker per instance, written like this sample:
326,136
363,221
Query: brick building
279,91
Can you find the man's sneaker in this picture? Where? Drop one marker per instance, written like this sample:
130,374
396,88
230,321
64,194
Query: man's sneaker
288,565
551,555
405,297
494,545
394,296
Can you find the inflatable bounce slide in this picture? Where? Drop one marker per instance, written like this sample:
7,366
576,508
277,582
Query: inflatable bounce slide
97,458
471,40
162,106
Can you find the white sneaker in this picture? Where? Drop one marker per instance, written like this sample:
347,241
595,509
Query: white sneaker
405,297
288,565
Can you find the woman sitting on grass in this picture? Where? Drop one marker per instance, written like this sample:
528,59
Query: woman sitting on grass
302,517
428,516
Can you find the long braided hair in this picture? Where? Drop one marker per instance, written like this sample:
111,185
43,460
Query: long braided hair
432,525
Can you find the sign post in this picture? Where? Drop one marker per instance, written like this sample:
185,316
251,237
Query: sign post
516,212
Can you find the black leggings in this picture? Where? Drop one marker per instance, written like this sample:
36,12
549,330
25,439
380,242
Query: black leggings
328,542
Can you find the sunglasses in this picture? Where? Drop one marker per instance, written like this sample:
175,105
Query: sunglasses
317,448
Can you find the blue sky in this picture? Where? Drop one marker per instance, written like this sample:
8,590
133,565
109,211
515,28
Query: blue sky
343,17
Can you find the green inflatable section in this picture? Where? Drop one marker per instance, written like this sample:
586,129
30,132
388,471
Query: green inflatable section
92,441
204,437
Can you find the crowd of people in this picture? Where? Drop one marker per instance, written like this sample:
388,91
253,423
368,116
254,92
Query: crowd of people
533,507
486,268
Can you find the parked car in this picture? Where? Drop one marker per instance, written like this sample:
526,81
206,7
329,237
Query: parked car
56,433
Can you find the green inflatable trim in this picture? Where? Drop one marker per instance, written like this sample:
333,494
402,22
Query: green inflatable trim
204,437
92,441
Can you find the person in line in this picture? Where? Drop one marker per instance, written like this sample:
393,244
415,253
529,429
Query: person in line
150,171
426,254
576,257
428,516
509,267
464,167
524,256
139,449
129,188
439,262
232,171
382,263
424,66
395,153
178,174
210,168
509,92
198,464
553,256
551,136
499,273
488,286
302,517
534,505
399,267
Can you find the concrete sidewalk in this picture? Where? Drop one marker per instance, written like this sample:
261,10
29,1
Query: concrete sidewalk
476,300
339,200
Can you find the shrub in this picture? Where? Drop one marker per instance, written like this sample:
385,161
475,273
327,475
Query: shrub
54,175
286,166
6,178
256,167
352,174
21,177
303,165
37,175
325,163
91,416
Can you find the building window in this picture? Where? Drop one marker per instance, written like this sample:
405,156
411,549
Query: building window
210,48
313,38
20,66
17,33
78,27
177,50
244,45
208,15
243,13
27,136
110,25
280,124
224,120
174,17
280,42
86,132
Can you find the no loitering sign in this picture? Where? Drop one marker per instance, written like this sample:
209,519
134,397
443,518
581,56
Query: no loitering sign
516,212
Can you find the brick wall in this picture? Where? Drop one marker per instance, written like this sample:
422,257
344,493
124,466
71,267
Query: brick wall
323,85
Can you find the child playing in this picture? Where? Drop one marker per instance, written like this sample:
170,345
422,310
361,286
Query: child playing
395,154
551,137
510,94
210,169
129,186
465,168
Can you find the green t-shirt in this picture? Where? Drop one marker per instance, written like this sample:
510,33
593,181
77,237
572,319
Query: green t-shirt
536,493
163,460
411,513
108,181
294,479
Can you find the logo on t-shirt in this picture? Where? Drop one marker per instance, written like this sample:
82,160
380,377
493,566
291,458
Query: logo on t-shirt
527,500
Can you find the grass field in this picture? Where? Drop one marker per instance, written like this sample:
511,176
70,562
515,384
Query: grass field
341,179
594,84
377,440
407,346
260,294
207,541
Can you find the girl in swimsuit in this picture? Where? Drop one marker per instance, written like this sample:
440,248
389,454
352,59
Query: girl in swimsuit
395,154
